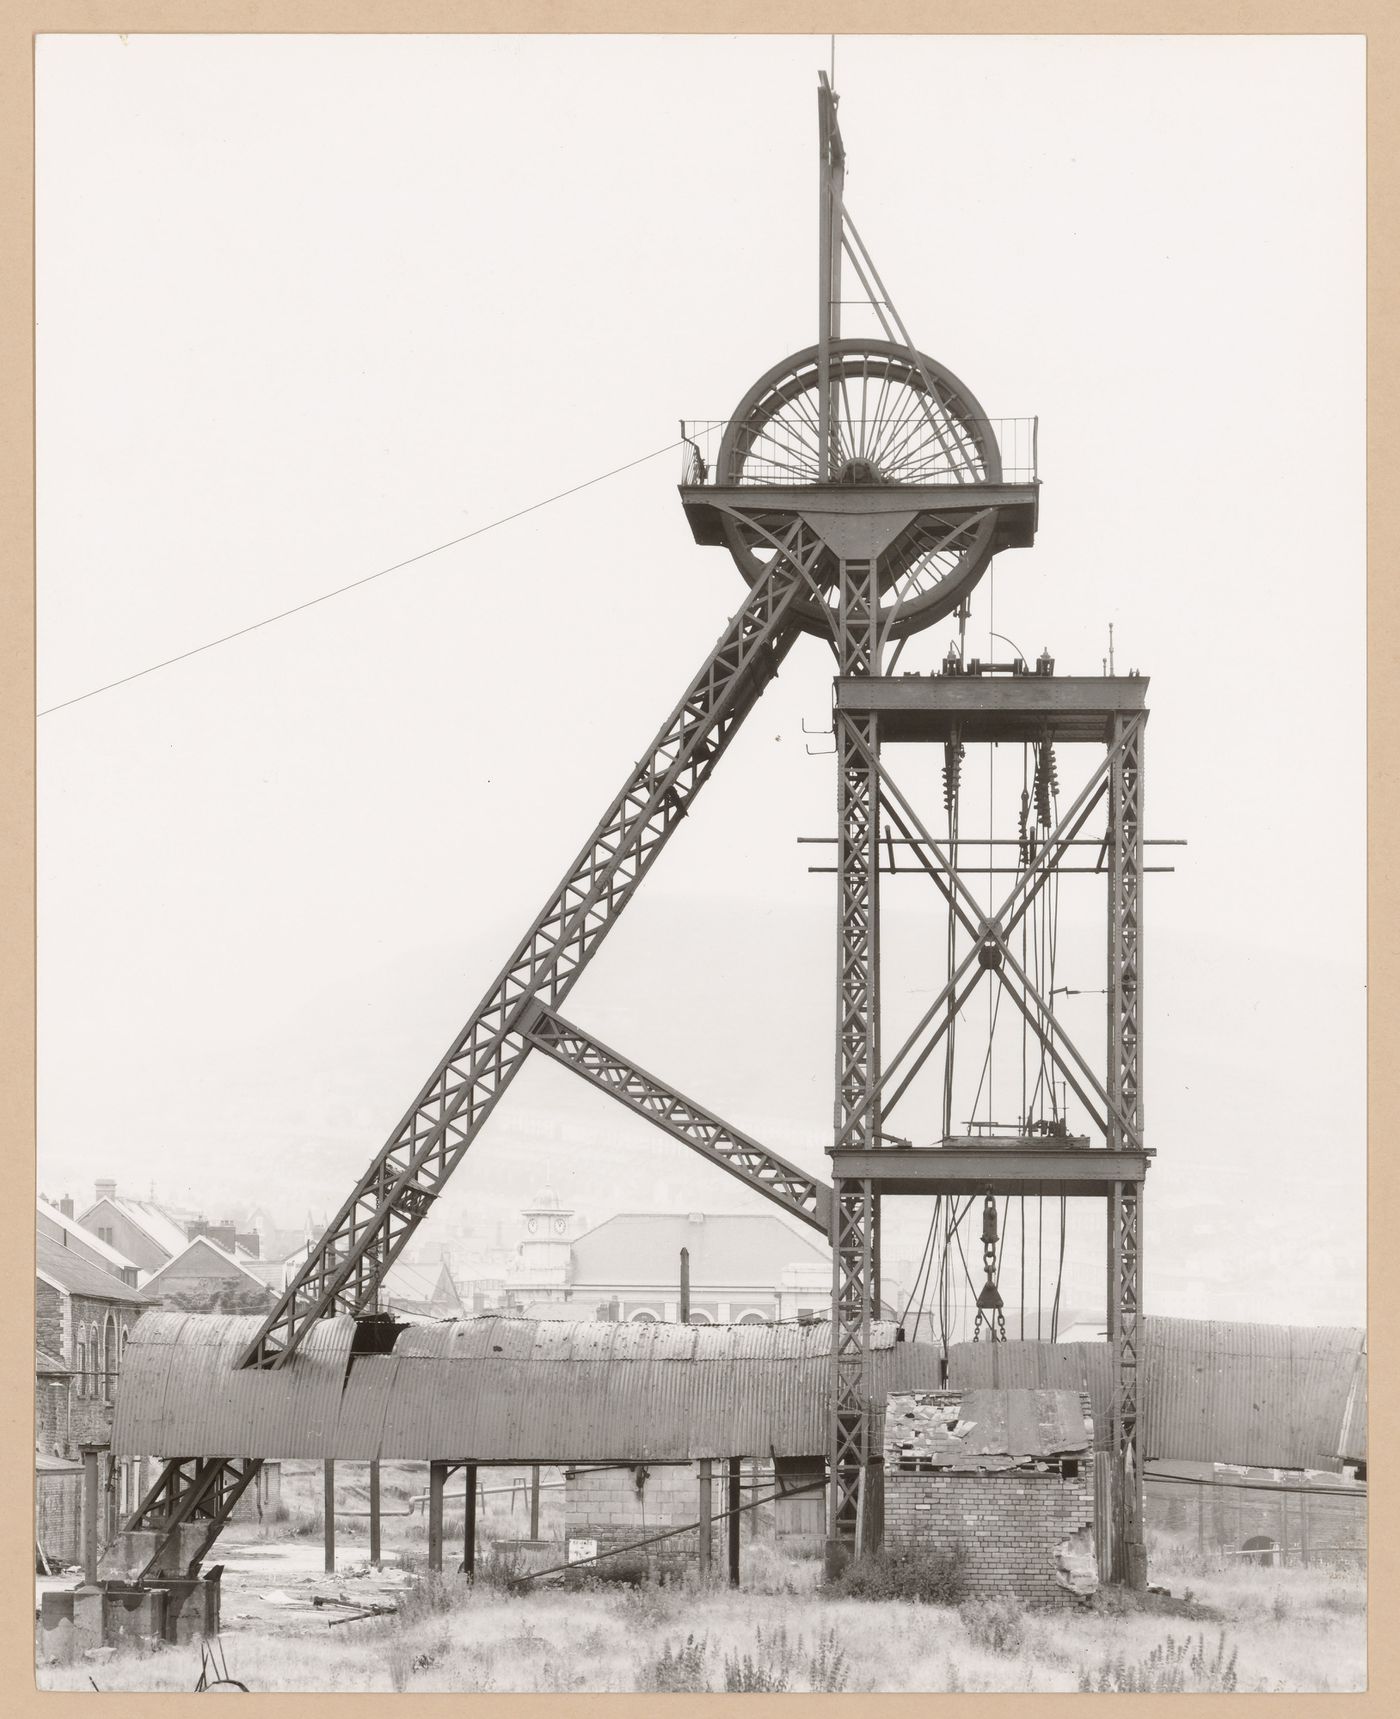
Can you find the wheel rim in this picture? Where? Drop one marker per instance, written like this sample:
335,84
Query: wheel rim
898,421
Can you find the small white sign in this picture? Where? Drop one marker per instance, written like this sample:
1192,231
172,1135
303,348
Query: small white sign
581,1549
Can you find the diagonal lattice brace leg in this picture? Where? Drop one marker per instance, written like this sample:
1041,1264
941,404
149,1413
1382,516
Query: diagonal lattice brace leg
371,1229
799,1194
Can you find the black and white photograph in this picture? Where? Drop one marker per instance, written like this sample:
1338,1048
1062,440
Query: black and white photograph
701,864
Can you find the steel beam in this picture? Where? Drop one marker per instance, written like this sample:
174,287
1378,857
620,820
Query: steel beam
1030,707
973,1169
857,1117
1124,1084
799,1194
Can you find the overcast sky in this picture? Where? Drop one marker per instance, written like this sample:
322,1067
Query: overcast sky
311,306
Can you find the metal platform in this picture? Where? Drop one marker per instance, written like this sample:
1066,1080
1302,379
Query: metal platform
1017,505
977,1169
1061,708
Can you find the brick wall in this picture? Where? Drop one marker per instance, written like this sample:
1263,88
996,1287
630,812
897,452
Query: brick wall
606,1505
1009,1523
82,1411
609,1506
48,1320
51,1416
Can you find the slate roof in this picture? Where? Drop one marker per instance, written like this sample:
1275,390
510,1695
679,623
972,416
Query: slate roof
165,1231
81,1276
221,1257
84,1237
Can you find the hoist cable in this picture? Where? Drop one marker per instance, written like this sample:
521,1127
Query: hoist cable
354,584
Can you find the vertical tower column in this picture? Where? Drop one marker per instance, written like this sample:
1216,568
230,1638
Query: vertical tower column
1128,1559
857,1112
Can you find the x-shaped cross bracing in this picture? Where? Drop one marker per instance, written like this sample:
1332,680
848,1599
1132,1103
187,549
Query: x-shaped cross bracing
995,930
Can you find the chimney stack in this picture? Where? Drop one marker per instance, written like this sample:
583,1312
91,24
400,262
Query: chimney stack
105,1190
65,1205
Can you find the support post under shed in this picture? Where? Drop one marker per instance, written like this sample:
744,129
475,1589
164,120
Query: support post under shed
734,1463
329,1515
707,1548
469,1530
374,1552
437,1483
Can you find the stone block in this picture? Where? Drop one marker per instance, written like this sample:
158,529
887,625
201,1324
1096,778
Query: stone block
70,1624
134,1616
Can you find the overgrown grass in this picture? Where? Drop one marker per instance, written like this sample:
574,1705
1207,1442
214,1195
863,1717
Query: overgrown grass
1278,1629
1171,1668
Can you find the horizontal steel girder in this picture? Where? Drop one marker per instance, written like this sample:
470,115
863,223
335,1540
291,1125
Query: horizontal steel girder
974,1169
933,708
798,1193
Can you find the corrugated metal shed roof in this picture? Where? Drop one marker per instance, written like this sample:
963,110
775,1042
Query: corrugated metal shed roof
1269,1396
501,1389
1351,1446
179,1392
493,1389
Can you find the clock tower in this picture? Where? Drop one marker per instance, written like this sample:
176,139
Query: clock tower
543,1260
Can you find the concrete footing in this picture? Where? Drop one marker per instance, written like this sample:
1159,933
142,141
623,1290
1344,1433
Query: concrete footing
131,1550
70,1622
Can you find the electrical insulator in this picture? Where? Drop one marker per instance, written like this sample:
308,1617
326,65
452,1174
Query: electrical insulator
952,772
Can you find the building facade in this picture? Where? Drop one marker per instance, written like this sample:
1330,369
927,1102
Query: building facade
83,1320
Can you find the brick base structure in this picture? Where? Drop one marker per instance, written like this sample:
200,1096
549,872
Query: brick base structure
1006,1475
1009,1525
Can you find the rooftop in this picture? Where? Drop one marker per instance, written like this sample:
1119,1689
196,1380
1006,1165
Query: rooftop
80,1233
69,1270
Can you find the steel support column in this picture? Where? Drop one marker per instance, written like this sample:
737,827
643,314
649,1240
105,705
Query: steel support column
857,1109
1128,1552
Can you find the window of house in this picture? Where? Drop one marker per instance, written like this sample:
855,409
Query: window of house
104,1233
643,1316
109,1355
82,1366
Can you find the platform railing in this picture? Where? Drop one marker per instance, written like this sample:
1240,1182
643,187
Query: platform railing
905,451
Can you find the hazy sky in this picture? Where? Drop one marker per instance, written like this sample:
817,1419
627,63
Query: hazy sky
310,306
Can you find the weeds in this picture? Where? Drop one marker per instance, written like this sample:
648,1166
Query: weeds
676,1671
648,1604
1171,1668
828,1664
934,1576
765,1671
996,1626
430,1595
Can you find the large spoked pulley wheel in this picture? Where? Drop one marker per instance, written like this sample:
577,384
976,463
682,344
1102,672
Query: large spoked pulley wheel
896,421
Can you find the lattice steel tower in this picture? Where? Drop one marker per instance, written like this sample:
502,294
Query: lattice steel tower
862,492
